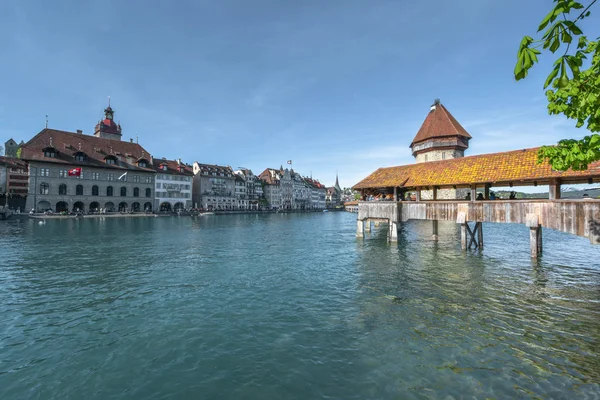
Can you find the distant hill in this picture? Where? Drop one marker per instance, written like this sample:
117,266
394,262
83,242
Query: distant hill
566,193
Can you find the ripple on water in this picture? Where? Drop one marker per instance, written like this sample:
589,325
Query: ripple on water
293,306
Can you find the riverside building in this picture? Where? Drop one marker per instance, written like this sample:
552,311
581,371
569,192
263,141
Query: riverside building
173,185
71,171
213,188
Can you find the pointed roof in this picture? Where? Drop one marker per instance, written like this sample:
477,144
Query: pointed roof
337,184
439,123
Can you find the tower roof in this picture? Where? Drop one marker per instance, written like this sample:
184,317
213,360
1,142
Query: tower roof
438,124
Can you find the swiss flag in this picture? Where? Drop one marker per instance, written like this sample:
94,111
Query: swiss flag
75,172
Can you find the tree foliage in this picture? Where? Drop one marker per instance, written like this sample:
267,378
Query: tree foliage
573,84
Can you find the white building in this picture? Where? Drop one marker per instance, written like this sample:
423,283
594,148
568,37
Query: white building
173,185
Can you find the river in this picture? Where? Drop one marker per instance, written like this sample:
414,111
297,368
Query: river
292,306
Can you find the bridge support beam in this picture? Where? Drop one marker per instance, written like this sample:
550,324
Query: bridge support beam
435,229
470,237
360,228
535,234
367,225
393,232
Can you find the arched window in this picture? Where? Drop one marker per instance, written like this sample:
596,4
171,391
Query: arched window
148,192
94,190
79,190
44,188
109,190
123,191
136,192
62,189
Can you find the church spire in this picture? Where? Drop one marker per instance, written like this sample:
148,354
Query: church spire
337,183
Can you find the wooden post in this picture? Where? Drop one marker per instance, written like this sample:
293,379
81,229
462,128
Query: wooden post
535,234
473,193
486,193
393,232
418,195
367,225
461,219
480,235
395,193
554,189
435,192
360,228
435,229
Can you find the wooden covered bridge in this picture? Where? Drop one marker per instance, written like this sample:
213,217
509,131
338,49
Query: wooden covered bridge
448,189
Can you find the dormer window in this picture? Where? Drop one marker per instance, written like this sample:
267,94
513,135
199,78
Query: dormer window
142,163
181,169
50,152
163,167
110,160
80,156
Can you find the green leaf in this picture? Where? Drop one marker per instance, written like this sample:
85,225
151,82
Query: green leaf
551,77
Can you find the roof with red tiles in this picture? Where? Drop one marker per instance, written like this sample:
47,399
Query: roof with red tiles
270,176
439,123
97,150
519,166
12,162
174,167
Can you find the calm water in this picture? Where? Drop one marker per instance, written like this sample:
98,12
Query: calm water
295,307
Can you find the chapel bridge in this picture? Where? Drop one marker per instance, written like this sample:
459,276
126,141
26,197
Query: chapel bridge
447,189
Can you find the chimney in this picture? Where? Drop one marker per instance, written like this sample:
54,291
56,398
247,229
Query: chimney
79,132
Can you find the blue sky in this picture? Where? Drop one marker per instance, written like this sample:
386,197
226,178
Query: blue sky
332,85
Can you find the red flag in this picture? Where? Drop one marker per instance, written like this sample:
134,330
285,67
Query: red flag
75,172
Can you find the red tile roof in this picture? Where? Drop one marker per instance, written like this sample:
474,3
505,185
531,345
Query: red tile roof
96,150
519,166
173,167
11,162
439,123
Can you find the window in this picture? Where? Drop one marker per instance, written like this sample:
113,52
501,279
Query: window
44,188
63,173
95,176
109,191
111,160
79,190
148,179
49,153
136,178
142,164
110,177
425,157
79,156
62,189
44,172
94,190
123,191
136,192
148,192
158,185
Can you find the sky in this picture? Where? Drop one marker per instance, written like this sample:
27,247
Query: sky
336,86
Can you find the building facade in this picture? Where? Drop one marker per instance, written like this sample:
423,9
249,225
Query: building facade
13,183
254,190
213,187
73,172
270,179
173,191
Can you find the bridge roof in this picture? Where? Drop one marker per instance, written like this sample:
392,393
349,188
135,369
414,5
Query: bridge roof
501,169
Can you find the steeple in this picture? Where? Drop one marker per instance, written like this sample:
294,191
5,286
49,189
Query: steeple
337,183
107,128
440,137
